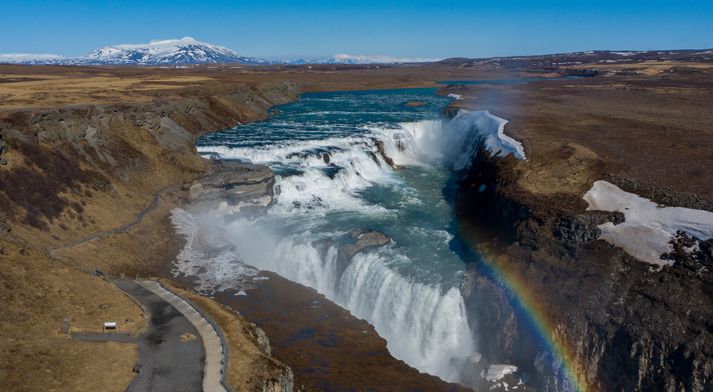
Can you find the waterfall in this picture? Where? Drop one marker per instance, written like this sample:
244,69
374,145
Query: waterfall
322,191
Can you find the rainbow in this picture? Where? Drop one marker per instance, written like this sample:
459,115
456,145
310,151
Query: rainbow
528,304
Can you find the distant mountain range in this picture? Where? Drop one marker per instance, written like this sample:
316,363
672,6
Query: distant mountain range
184,51
357,59
188,51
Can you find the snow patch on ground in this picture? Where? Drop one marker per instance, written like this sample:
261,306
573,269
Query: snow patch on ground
497,372
626,54
648,228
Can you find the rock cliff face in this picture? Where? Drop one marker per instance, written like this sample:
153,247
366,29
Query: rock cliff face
61,161
246,186
631,328
2,149
77,170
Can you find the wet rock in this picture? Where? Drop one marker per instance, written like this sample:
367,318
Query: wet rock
248,186
355,242
490,313
326,158
415,104
380,148
362,240
373,157
451,111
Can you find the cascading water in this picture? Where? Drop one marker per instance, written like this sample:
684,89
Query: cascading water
328,152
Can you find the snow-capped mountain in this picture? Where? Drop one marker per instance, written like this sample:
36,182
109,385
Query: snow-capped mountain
187,51
375,59
352,59
182,51
29,58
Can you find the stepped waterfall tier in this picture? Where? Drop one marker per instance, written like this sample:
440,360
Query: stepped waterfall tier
351,167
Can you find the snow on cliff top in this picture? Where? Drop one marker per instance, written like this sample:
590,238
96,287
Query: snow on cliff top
491,129
647,228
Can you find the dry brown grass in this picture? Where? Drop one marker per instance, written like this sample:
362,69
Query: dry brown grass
559,167
54,90
650,130
149,246
37,295
24,87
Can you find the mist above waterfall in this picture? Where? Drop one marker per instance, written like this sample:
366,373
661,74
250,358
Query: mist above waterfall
331,158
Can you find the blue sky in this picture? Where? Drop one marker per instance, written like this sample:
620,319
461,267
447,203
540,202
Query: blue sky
414,28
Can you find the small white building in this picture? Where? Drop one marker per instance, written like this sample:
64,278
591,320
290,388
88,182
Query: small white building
110,326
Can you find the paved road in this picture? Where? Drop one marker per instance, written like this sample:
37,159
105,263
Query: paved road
104,337
167,362
213,367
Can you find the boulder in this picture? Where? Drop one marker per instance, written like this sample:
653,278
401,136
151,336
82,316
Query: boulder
354,242
361,241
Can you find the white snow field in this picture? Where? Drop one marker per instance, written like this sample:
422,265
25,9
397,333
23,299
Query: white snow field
648,228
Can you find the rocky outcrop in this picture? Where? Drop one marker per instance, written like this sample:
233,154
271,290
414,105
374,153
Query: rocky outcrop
380,149
354,242
629,327
74,155
246,186
78,170
278,376
2,150
691,252
358,241
282,382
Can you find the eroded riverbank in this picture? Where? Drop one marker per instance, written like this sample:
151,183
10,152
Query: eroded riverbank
562,124
602,308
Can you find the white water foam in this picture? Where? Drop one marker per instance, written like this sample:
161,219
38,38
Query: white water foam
209,255
424,322
449,141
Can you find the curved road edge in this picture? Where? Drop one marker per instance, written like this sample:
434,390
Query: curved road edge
213,340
